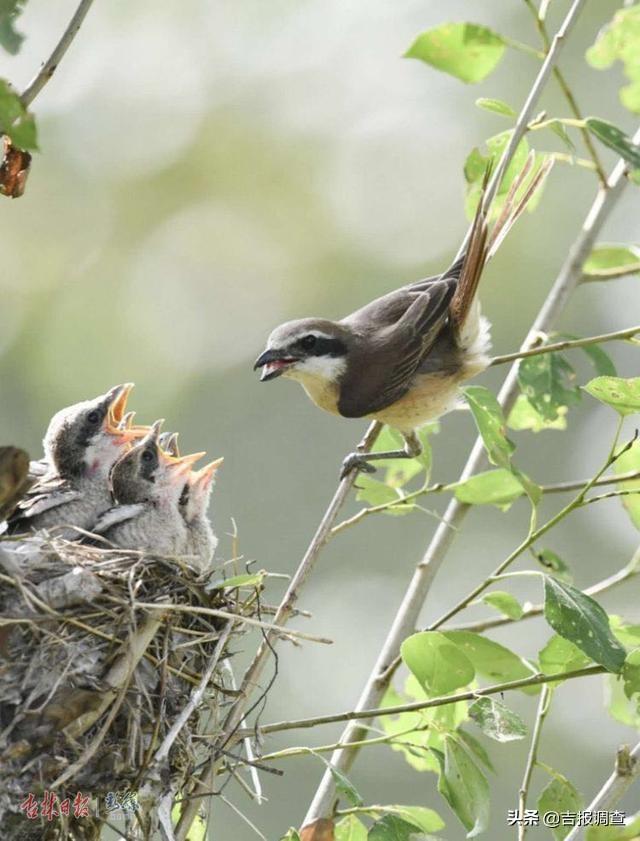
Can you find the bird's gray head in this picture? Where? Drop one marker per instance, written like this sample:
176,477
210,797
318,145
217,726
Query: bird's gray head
146,473
88,437
309,347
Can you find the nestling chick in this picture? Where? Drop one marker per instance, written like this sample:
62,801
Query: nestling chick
401,358
81,446
194,502
147,484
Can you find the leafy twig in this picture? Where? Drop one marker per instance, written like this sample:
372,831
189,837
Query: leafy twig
407,615
570,344
414,706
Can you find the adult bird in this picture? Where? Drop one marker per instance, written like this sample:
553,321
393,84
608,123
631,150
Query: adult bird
401,358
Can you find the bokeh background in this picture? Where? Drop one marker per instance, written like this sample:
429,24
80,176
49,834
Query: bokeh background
210,169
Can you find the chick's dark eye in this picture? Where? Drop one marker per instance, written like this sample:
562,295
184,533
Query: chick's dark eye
93,417
147,455
308,342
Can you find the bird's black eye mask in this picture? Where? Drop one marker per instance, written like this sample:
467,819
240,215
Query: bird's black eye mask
311,345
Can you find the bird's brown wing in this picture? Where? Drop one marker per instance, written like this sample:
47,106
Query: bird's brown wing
386,355
50,492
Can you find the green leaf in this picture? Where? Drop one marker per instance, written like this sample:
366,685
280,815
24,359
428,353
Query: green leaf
426,820
476,748
524,416
630,832
344,786
495,487
559,796
464,50
625,632
350,829
393,828
438,664
476,164
560,655
578,618
504,603
374,492
620,707
497,106
491,424
496,720
615,139
292,835
559,129
620,40
622,395
15,120
488,657
629,462
544,380
611,260
631,673
464,787
553,562
10,38
249,580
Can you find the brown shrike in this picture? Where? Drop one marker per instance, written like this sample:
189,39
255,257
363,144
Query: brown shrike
401,358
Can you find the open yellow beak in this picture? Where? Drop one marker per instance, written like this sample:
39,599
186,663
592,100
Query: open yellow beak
118,421
180,465
204,476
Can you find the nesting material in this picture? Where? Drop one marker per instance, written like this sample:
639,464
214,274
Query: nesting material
96,690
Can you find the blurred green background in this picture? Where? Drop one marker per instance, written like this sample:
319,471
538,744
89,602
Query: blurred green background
210,169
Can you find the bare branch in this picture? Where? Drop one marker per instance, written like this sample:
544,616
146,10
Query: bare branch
570,344
543,709
51,64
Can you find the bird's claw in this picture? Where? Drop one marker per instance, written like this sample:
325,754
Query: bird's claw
358,462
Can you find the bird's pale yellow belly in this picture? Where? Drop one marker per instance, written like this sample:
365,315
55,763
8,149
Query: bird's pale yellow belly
323,392
429,397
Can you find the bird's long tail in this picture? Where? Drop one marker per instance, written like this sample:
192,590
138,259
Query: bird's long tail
485,241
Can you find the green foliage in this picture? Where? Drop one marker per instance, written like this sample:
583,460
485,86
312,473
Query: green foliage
489,658
476,748
628,462
631,674
580,619
559,796
419,818
476,164
505,603
616,139
524,416
393,828
630,832
611,260
248,580
620,41
552,562
464,787
464,50
496,720
545,381
10,38
560,655
350,829
438,664
622,395
497,106
292,835
494,487
15,120
621,708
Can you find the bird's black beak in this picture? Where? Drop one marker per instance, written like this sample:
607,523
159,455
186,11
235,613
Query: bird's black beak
273,363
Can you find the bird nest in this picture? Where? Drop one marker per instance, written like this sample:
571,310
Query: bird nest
111,662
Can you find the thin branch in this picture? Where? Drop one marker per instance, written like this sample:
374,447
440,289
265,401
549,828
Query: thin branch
626,772
283,614
631,569
51,64
406,618
543,709
415,706
566,345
